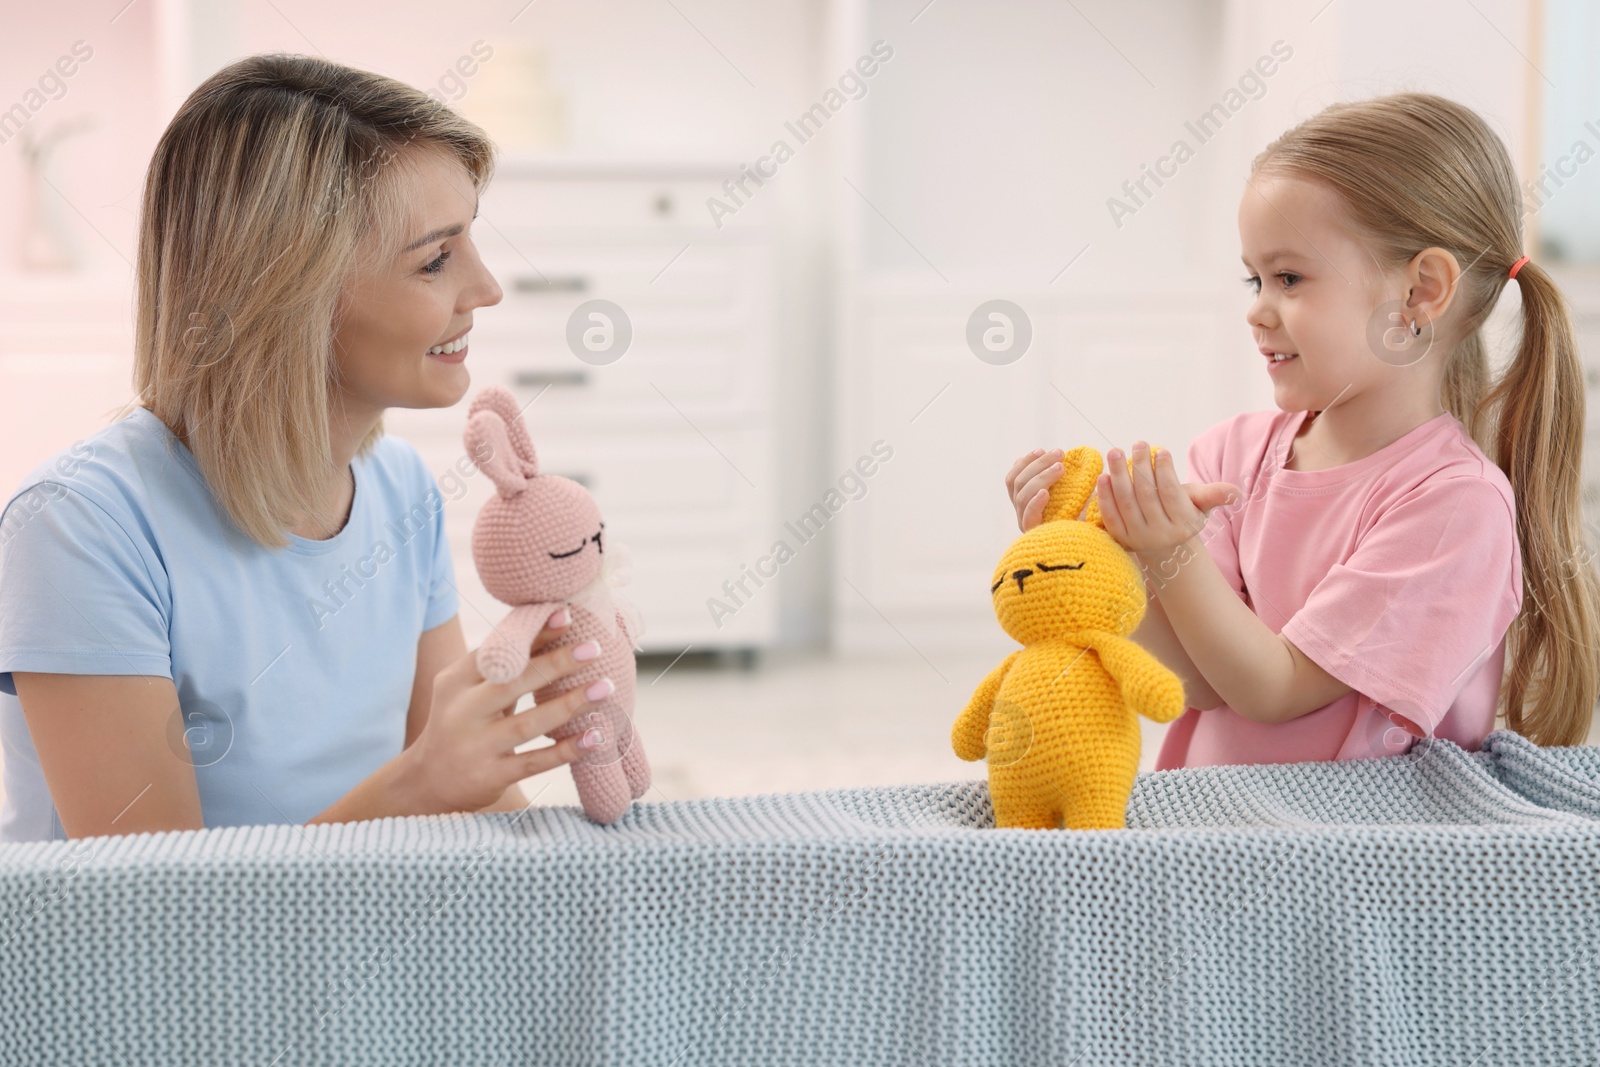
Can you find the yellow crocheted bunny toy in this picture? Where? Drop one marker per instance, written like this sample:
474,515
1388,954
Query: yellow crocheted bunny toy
1057,718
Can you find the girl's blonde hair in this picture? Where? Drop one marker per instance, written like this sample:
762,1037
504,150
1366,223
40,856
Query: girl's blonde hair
279,180
1417,171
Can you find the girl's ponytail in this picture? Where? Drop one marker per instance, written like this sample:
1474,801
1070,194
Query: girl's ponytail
1419,171
1538,437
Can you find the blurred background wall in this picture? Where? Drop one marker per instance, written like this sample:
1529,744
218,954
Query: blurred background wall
798,315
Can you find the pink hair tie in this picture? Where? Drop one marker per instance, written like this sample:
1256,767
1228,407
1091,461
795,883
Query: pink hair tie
1517,266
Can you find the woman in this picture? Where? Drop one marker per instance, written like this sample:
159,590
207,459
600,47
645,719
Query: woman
235,604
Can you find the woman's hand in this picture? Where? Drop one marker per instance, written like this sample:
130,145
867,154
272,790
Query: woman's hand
1152,517
464,760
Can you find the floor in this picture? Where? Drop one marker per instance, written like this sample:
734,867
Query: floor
800,722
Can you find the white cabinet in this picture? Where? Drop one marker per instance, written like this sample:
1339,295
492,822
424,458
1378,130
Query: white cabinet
674,436
919,548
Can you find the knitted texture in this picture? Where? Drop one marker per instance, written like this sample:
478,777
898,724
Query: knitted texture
1251,915
538,544
1057,719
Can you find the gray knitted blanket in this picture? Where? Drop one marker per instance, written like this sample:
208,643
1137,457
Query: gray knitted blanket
1441,907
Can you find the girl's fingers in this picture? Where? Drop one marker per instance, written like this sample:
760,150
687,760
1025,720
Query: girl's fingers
1110,514
1127,502
1173,497
1034,512
1016,469
1143,481
1027,481
1039,482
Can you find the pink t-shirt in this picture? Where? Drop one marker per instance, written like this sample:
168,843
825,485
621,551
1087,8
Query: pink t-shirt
1399,574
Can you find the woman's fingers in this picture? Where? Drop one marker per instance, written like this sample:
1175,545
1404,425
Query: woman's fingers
542,669
542,718
554,627
545,758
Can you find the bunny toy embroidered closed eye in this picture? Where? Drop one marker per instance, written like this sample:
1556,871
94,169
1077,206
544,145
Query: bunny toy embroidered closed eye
539,544
1058,718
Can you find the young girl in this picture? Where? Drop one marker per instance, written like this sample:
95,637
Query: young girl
1374,539
207,617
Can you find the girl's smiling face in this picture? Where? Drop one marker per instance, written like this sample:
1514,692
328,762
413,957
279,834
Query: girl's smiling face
424,296
1316,290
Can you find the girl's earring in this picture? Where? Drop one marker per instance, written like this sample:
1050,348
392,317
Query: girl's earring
1416,328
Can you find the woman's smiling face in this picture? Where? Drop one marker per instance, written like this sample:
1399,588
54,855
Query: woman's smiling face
1317,288
394,312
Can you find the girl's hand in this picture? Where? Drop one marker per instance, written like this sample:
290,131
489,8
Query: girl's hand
1028,485
1031,476
463,759
1153,517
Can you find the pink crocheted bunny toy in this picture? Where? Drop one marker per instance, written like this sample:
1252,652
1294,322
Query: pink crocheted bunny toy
538,545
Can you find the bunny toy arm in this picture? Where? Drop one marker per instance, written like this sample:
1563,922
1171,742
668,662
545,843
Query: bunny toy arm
1147,685
505,652
973,722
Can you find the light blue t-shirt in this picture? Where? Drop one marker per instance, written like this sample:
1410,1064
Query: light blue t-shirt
293,668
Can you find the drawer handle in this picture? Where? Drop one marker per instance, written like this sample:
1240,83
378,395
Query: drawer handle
571,283
533,379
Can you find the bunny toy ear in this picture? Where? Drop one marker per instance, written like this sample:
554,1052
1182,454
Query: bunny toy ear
1079,469
489,445
1092,514
498,399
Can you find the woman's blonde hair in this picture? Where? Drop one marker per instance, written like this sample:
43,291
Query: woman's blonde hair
279,179
1416,171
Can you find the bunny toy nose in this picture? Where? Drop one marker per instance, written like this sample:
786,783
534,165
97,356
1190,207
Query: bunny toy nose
1019,575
